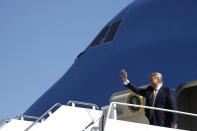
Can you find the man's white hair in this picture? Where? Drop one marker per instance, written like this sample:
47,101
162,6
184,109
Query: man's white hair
158,75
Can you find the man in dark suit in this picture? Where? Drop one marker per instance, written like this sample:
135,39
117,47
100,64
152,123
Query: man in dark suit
158,96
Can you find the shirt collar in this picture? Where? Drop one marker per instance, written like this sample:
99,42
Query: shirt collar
158,87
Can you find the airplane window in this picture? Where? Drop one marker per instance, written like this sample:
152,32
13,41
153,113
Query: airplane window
100,37
107,34
111,33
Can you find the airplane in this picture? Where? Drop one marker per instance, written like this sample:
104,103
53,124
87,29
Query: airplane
146,36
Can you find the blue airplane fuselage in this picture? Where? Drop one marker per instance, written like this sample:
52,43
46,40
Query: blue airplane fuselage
153,36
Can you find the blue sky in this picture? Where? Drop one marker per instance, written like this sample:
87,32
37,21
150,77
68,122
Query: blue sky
39,40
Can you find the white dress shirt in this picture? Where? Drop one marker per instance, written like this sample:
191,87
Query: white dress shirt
157,89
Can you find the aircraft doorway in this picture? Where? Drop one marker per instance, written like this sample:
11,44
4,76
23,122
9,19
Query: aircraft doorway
187,102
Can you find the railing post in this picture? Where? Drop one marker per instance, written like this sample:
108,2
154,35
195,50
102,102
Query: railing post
42,117
42,120
50,113
115,111
73,104
22,118
112,112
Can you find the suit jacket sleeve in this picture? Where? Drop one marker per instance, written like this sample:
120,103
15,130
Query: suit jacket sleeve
135,89
171,102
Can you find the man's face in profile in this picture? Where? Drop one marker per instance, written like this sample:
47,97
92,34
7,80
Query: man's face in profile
154,81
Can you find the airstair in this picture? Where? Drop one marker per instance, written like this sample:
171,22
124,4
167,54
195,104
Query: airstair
71,118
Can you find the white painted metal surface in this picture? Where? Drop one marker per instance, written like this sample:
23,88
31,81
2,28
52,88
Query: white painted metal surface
15,125
70,118
118,125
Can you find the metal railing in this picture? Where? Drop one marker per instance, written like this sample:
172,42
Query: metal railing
22,117
113,108
49,112
5,120
94,106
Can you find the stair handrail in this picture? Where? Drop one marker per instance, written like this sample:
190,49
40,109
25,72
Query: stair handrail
113,106
26,116
41,117
94,106
5,119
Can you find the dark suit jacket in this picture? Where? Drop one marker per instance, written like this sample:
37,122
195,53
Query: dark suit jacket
165,99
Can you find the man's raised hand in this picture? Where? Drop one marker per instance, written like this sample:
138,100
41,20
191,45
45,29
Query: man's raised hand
123,75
